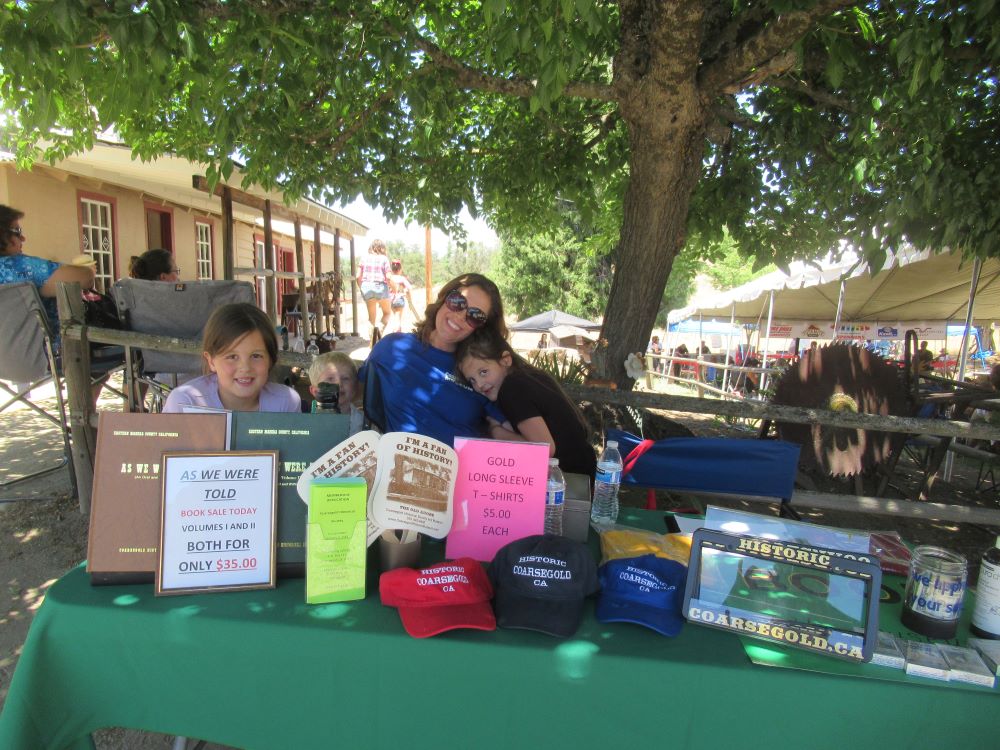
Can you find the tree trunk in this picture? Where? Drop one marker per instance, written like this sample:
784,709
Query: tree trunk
654,223
656,79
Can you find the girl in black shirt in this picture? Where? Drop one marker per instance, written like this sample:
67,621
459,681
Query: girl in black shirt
536,408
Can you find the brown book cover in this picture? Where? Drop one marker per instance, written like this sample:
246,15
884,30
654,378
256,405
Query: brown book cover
125,508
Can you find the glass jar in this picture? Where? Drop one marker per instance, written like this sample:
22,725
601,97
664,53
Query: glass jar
935,589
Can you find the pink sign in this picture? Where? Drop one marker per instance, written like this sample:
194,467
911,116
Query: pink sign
499,496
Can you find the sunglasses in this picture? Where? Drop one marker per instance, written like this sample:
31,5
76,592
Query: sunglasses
473,315
16,231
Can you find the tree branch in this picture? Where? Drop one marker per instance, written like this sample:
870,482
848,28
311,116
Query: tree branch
739,65
468,78
820,97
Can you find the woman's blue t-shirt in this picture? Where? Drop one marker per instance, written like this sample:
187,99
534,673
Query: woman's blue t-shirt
421,392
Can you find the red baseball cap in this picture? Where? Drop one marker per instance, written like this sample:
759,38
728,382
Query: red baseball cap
446,596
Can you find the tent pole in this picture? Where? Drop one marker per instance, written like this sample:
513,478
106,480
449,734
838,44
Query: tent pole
963,356
840,310
767,339
729,349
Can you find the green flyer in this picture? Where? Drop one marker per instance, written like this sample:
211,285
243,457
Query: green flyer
336,540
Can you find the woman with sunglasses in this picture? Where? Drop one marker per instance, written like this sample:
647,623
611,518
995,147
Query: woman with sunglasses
44,274
415,372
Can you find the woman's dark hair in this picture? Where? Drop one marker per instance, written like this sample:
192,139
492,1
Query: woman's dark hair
229,323
8,216
487,344
151,264
494,321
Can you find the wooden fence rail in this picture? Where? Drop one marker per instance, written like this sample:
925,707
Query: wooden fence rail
83,419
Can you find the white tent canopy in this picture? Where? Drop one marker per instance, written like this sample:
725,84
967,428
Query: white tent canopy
912,285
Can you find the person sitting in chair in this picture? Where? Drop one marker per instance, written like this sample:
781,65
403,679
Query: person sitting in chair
45,274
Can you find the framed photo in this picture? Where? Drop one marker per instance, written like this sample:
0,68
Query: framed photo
813,598
217,522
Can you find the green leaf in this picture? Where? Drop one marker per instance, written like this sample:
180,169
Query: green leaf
859,170
835,72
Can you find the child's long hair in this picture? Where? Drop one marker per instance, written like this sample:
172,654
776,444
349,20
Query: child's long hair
488,344
229,323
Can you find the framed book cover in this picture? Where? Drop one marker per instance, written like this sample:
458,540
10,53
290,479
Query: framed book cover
124,535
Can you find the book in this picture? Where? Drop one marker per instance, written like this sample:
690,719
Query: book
336,540
411,480
965,665
195,409
499,495
989,650
926,660
124,536
299,439
887,652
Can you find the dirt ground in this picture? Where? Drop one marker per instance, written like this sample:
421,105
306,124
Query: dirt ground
45,534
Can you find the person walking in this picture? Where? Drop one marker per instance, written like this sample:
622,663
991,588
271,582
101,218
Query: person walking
373,281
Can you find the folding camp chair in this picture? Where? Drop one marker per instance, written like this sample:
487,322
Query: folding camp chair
27,359
758,468
179,310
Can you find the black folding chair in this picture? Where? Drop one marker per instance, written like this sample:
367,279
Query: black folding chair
28,361
179,310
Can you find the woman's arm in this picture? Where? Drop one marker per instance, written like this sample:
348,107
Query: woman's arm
83,275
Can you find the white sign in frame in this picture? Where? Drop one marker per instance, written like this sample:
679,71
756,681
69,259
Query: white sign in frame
218,522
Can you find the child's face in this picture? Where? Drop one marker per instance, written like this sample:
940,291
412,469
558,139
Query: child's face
242,370
486,375
344,380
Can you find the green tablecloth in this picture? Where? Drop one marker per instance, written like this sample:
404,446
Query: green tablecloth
261,669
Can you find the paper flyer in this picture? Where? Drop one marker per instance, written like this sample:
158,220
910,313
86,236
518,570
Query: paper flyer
414,484
354,457
335,541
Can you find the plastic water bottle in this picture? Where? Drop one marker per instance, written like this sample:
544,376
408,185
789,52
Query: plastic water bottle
313,348
604,510
555,492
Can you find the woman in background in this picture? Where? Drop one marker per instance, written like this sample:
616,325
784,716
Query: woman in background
373,281
44,274
154,265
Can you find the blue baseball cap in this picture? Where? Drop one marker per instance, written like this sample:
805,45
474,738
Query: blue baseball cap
646,590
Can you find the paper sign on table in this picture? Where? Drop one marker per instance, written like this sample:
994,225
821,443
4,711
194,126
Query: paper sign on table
335,541
499,495
354,457
414,485
218,521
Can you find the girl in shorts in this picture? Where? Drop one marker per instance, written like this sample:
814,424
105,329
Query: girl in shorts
239,347
535,406
399,289
373,281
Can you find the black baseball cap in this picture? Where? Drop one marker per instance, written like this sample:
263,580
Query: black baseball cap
541,583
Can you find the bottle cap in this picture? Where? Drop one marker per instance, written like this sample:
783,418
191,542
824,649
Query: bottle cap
555,462
612,443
